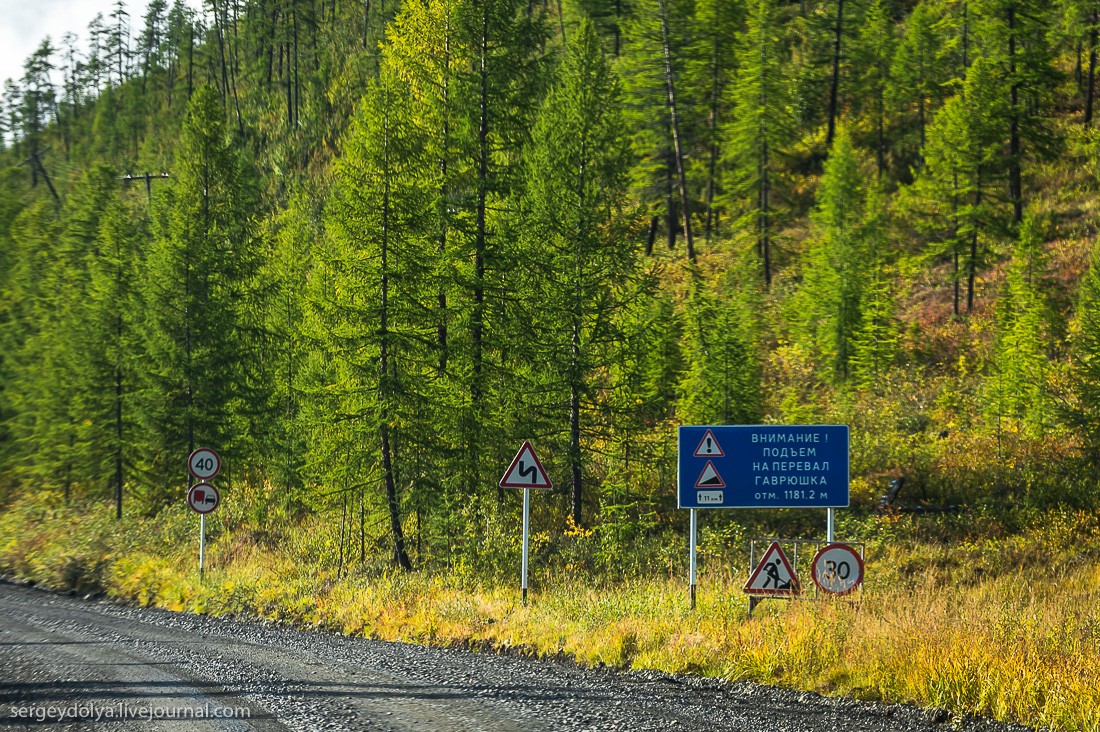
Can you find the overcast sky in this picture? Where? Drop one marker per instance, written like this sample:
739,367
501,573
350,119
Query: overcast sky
24,23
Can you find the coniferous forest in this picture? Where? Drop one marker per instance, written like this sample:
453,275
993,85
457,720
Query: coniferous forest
364,249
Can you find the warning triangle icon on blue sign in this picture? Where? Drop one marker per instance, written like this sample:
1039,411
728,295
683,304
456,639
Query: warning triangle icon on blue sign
708,446
710,478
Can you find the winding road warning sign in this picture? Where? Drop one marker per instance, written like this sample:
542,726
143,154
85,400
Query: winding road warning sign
774,575
526,471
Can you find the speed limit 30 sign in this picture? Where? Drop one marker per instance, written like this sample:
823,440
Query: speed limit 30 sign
837,569
204,463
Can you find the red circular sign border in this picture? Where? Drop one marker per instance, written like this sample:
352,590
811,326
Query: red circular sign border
217,457
854,553
204,485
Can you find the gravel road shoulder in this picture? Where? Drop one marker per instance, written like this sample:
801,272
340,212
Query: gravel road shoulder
74,655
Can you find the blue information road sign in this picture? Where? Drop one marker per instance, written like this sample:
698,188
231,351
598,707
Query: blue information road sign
763,466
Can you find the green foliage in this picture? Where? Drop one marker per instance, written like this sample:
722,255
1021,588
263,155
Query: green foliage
577,255
722,383
396,239
830,305
1020,389
198,294
1085,341
759,132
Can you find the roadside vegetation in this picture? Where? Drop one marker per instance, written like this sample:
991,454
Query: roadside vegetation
956,614
392,241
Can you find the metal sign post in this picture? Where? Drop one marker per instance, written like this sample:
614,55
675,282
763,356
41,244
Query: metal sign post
526,534
691,556
525,472
761,466
203,497
202,542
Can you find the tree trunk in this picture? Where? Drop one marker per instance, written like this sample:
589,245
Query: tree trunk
221,53
670,188
400,556
712,130
297,85
271,44
118,419
834,85
477,317
685,209
651,235
955,238
233,64
973,264
764,236
289,89
1015,185
190,59
478,321
444,214
617,31
880,148
575,423
1090,88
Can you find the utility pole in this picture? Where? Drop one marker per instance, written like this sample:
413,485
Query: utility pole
148,178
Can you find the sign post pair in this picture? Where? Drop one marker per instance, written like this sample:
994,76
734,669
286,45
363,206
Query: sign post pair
836,569
203,497
526,472
762,466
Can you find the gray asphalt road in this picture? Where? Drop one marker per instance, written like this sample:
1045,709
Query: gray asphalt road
65,661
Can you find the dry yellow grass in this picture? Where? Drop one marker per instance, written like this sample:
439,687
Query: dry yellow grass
973,628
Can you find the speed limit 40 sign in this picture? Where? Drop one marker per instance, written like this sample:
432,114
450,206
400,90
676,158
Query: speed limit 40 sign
204,463
837,569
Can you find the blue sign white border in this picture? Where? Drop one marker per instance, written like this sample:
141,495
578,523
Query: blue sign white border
680,446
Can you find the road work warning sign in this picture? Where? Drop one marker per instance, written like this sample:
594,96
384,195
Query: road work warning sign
774,575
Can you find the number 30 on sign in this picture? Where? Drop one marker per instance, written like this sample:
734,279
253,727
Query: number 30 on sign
837,569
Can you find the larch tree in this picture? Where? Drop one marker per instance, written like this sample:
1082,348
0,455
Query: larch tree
758,132
576,247
198,282
875,341
711,64
110,344
1022,333
835,268
657,49
1084,341
918,74
722,381
952,192
873,53
369,306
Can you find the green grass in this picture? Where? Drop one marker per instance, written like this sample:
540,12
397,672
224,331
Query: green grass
1006,626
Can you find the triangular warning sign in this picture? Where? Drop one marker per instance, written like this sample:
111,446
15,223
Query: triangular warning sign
709,478
708,446
773,576
525,471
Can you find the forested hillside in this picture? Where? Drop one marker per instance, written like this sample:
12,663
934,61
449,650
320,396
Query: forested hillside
364,249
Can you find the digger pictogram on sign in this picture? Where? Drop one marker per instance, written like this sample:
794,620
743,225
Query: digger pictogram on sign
774,575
